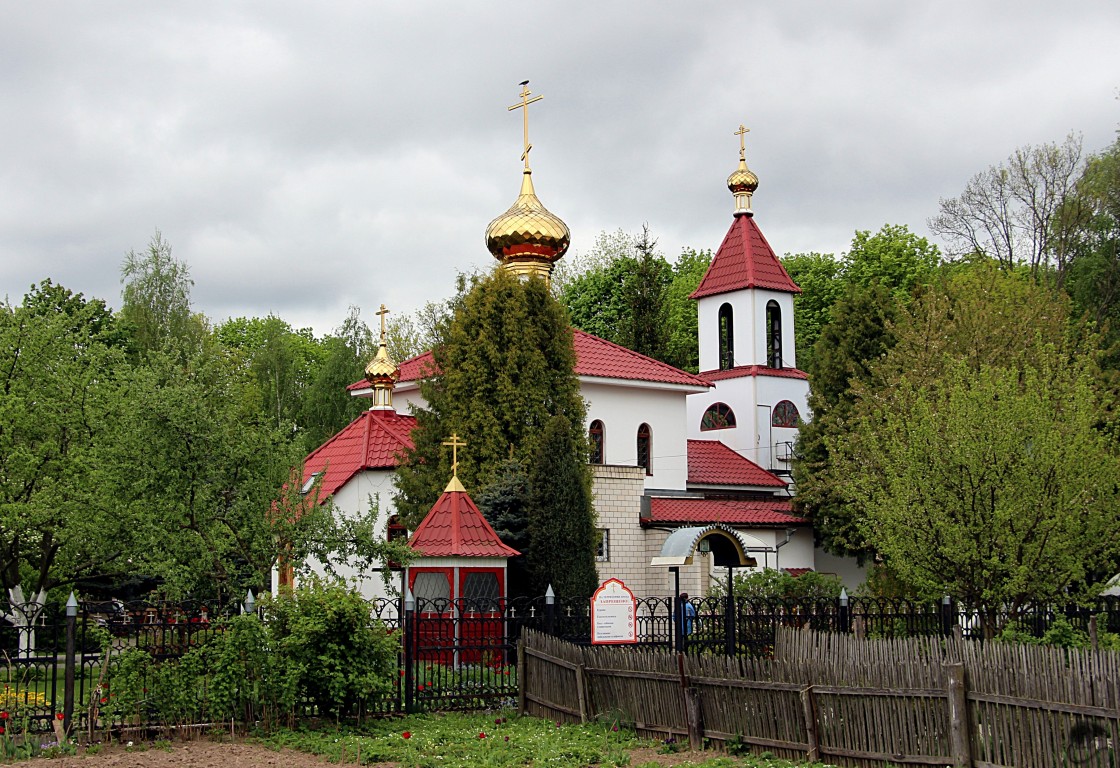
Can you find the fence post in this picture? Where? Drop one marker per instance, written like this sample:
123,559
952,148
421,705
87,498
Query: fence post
549,610
947,616
581,692
409,650
522,677
809,713
692,712
729,624
844,615
71,643
960,740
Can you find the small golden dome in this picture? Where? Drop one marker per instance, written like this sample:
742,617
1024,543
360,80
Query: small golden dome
528,232
382,367
743,179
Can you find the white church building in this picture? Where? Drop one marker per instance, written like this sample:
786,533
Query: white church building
706,456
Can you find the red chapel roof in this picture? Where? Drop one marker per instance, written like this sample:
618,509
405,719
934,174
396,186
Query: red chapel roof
594,357
710,462
455,528
371,441
744,260
761,512
741,371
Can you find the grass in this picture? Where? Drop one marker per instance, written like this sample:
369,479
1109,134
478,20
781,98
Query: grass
493,740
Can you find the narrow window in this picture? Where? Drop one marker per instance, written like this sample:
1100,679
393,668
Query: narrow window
595,435
785,415
773,335
644,448
603,550
432,591
718,416
481,592
726,338
395,531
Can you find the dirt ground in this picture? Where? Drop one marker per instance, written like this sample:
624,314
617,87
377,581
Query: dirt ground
209,754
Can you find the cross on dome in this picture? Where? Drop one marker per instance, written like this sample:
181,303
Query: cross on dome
455,444
524,105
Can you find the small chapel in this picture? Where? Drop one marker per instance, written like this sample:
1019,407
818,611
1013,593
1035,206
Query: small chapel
691,473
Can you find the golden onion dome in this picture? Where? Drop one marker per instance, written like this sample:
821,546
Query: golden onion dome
742,179
528,232
382,367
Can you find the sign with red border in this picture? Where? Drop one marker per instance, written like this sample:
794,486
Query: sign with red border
614,614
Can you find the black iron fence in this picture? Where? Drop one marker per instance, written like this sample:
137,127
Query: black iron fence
459,654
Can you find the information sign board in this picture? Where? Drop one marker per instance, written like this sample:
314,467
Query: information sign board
614,613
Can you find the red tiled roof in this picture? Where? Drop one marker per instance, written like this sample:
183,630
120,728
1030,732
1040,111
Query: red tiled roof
455,528
594,357
710,462
601,358
754,370
732,512
371,441
795,572
744,260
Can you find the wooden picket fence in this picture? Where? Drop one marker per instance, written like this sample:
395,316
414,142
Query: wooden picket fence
846,700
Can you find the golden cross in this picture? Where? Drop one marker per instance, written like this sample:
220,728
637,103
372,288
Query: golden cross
742,134
382,313
455,444
525,102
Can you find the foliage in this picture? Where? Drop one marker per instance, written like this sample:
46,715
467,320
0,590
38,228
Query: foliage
506,367
771,584
561,513
61,371
1016,212
506,504
818,277
629,294
859,333
338,652
975,454
893,257
156,306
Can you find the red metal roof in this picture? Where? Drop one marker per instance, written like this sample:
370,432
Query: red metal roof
594,357
795,572
710,462
732,512
371,441
455,528
754,370
604,359
744,260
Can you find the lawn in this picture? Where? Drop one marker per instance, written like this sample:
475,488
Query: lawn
500,740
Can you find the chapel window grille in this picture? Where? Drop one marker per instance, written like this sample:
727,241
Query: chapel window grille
785,415
726,338
645,448
773,335
718,416
481,592
596,438
432,591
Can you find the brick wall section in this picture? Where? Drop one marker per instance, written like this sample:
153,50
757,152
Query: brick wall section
618,492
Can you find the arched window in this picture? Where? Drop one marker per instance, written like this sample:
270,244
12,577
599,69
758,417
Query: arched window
726,338
718,416
395,531
595,437
785,415
645,448
773,335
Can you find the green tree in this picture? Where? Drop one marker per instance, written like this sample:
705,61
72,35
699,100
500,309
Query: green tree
859,333
506,365
644,328
506,504
157,297
60,379
1016,213
893,257
561,513
818,277
684,334
974,450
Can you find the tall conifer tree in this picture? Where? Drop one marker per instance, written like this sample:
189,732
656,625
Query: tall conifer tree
506,367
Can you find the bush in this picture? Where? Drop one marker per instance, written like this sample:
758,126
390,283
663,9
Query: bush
770,584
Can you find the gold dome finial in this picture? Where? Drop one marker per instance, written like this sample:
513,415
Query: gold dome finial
527,238
742,182
382,373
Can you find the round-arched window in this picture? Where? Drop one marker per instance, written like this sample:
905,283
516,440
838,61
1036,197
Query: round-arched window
785,415
718,416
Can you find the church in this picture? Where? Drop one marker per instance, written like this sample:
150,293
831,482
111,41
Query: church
691,473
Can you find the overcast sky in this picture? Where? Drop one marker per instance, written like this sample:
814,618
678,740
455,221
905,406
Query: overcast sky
304,157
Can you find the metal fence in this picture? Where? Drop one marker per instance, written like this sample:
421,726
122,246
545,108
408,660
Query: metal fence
459,654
